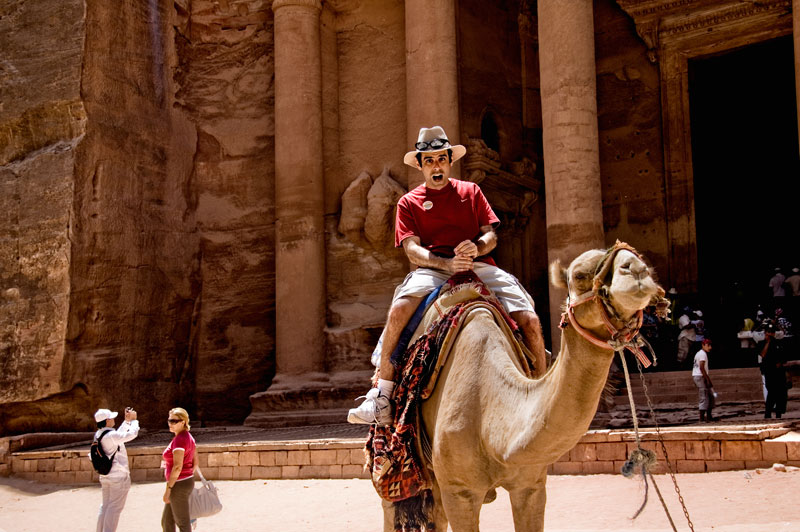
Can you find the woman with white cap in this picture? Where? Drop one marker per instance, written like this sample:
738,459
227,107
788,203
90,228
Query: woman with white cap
116,484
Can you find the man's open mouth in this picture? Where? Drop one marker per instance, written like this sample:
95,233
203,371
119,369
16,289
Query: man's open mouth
437,177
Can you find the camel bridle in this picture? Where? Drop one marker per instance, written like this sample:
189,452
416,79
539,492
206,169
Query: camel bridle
625,337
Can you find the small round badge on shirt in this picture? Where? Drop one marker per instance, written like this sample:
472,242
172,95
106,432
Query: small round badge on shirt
428,205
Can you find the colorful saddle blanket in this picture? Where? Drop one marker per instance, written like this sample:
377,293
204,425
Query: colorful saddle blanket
393,454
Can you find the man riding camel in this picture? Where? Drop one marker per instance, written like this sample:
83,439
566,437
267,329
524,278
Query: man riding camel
445,226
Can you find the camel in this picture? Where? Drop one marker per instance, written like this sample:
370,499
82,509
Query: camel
491,426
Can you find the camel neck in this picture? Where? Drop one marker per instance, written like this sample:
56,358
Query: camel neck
573,385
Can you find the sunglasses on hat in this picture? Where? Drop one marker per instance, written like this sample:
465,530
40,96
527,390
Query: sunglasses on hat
433,144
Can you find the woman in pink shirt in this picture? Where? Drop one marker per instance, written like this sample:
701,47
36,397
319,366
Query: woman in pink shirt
179,458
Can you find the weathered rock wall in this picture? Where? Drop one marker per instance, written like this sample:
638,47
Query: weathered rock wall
137,233
42,120
135,251
224,80
629,121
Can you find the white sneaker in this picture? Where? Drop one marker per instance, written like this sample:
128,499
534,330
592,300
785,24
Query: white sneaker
375,409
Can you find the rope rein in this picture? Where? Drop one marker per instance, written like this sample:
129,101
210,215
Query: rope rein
628,337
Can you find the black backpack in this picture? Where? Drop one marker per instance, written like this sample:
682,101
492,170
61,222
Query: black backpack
101,462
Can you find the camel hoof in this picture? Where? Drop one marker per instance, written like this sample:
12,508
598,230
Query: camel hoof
490,496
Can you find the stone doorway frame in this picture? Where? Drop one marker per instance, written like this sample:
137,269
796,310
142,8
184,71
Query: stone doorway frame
674,32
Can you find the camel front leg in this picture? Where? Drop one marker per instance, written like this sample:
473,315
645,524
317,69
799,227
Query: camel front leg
463,508
439,515
527,506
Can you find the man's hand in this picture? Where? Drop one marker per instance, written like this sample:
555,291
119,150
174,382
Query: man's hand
467,248
459,263
130,414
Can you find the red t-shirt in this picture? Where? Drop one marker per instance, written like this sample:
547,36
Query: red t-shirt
444,218
184,441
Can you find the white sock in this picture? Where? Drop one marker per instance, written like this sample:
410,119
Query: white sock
385,388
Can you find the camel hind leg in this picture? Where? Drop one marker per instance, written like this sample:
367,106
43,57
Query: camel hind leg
388,516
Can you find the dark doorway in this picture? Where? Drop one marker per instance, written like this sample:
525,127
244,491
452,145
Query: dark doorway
746,177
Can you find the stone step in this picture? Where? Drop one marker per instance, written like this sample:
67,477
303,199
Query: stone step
732,385
675,377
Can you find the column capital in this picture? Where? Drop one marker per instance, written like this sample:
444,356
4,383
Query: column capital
313,4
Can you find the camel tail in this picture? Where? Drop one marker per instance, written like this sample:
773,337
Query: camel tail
558,275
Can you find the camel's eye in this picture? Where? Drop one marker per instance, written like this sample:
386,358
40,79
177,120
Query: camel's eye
626,266
580,276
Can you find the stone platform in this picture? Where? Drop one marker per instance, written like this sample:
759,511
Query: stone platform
336,451
740,439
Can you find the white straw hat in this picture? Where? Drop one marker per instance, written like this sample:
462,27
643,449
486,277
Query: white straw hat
430,140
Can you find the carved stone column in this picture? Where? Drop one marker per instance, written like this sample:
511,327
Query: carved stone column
431,72
796,33
299,193
571,149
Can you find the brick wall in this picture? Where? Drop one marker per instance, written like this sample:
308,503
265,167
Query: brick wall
601,451
340,459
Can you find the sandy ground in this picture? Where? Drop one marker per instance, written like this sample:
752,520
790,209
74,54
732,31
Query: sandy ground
734,501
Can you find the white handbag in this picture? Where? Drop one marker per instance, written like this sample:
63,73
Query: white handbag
204,500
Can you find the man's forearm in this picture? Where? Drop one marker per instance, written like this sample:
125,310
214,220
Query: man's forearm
486,243
420,256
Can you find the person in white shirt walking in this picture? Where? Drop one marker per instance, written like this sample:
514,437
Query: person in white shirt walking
702,380
116,484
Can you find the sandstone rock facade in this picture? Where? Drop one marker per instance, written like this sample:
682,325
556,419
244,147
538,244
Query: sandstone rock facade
42,122
138,186
137,179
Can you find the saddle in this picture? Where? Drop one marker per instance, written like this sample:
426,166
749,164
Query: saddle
395,455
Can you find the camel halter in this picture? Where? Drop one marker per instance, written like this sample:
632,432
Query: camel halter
628,336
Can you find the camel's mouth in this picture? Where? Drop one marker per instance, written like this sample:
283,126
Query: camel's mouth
636,293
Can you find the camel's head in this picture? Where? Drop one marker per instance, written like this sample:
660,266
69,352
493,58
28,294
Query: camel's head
619,276
632,286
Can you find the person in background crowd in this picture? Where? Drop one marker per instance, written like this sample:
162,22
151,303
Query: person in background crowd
180,466
686,336
774,372
746,342
794,281
116,484
782,325
703,382
776,283
699,326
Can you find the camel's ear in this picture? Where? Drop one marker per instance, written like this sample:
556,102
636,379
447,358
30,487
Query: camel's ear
558,275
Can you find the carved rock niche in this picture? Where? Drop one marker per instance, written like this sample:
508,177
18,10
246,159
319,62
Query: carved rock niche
512,188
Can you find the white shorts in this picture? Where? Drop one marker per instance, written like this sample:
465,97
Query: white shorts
423,281
505,286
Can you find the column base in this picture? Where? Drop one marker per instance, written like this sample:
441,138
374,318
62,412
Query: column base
318,399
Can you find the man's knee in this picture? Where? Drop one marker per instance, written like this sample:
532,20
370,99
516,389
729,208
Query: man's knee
527,320
402,309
